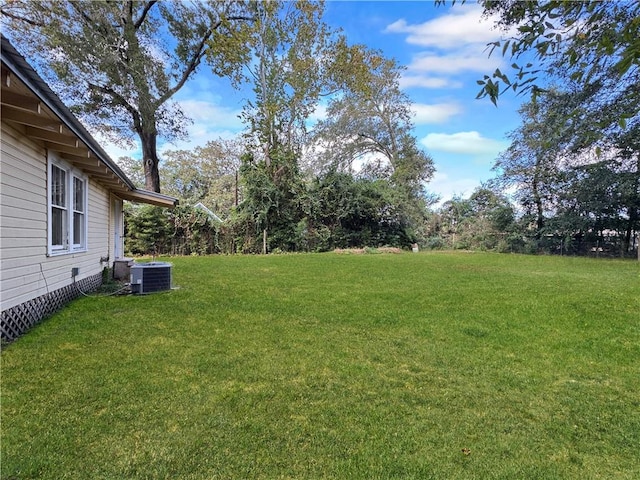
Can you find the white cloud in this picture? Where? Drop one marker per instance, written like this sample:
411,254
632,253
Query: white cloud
211,114
460,61
134,150
447,188
115,151
435,113
463,25
455,43
210,121
468,143
198,137
320,113
427,81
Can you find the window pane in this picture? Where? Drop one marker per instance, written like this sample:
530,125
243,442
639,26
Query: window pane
58,186
58,226
78,228
78,194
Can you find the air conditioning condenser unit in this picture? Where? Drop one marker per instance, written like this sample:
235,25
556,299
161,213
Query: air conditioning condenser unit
150,277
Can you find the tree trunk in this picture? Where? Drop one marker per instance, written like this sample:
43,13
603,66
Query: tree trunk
537,200
626,244
150,161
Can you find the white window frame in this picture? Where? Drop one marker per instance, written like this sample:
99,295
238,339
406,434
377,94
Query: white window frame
71,175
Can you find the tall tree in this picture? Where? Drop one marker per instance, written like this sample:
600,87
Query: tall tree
454,214
119,64
291,46
370,124
628,144
591,47
532,163
273,202
289,70
599,200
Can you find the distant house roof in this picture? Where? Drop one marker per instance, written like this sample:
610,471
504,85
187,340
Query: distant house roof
30,103
200,206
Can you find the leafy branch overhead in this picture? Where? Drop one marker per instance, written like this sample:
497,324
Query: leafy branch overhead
581,41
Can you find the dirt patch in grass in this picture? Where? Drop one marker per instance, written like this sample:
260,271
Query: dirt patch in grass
367,250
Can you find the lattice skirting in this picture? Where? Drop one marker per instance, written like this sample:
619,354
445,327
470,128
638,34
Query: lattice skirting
17,320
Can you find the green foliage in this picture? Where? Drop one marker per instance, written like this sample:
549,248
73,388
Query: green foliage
484,221
336,210
194,231
147,230
599,205
184,230
133,169
592,49
371,122
287,67
273,195
205,174
574,162
359,212
295,60
576,197
532,163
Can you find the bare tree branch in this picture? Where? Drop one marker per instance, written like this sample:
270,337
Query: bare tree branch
196,58
137,121
19,18
144,13
377,146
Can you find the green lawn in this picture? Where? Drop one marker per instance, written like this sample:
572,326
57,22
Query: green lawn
430,365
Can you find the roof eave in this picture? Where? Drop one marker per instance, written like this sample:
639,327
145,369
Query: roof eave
145,196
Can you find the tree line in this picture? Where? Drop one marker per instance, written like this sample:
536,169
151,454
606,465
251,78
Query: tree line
257,210
574,162
569,181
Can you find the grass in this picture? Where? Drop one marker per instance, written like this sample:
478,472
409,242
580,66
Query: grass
443,366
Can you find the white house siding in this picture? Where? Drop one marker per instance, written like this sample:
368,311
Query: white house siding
26,272
23,219
99,245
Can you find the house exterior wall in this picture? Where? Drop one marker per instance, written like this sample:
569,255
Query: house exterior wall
26,271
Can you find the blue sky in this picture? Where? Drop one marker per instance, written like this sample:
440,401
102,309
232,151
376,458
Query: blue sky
444,50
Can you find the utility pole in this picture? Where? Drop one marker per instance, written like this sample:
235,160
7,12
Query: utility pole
236,188
264,241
